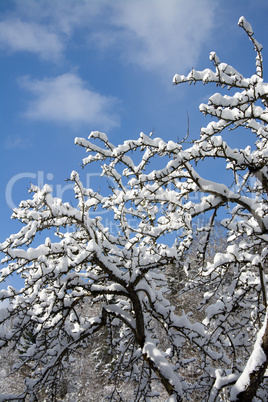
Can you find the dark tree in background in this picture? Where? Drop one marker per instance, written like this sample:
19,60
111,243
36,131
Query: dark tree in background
125,275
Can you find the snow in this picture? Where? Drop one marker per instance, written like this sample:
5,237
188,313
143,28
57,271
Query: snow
12,397
172,398
119,312
246,25
220,382
3,313
256,360
215,58
160,362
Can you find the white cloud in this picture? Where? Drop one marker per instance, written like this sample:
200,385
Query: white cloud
17,36
65,99
159,35
45,27
61,16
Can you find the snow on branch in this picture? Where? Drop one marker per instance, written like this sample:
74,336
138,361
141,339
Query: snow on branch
257,46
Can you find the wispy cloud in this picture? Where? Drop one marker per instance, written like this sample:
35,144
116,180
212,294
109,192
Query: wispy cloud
158,36
66,99
18,36
61,16
45,27
161,37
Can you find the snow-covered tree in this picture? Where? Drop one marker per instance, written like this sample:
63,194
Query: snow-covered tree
225,355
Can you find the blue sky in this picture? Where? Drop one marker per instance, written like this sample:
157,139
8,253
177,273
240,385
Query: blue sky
70,67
